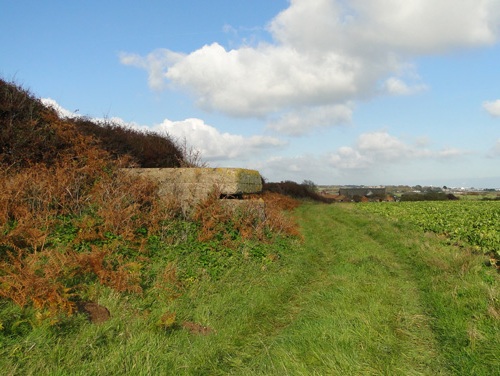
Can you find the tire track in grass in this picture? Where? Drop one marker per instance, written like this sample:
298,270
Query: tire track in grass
362,313
460,295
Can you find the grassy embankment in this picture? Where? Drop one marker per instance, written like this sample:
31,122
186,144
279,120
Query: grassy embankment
213,291
357,296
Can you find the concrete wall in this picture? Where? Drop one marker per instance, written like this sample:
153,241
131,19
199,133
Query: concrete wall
194,184
364,191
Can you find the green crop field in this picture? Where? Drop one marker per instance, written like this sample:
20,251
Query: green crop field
473,223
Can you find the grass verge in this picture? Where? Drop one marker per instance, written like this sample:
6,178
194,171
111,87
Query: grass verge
358,296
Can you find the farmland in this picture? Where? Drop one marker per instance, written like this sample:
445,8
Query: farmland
467,223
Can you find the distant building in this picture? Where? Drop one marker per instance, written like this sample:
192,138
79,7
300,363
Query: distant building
369,192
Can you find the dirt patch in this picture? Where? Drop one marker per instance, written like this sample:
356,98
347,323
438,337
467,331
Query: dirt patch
96,313
195,328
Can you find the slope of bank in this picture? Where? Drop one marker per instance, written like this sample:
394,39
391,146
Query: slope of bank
355,296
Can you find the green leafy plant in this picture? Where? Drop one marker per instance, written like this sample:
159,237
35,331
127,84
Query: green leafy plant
475,223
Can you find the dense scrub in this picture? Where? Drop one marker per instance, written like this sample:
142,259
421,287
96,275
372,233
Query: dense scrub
32,133
298,191
428,196
148,149
72,224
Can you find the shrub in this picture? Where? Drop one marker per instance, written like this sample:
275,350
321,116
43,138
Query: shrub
428,196
31,133
71,220
147,149
295,190
253,218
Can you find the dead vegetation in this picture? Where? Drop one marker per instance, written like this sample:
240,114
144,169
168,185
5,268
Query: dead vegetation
69,219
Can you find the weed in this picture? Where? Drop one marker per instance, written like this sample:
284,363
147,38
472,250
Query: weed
74,230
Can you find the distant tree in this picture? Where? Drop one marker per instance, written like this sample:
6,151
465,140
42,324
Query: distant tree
357,198
310,185
295,190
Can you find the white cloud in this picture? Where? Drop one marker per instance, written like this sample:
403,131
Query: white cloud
214,145
376,157
451,153
325,53
365,26
375,148
396,86
493,107
298,168
297,122
258,81
348,158
154,63
49,102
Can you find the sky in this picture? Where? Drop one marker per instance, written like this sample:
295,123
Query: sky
365,92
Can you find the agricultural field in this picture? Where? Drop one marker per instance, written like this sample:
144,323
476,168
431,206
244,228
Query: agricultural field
468,223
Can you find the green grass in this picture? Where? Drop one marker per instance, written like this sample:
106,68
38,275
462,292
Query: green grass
358,296
386,301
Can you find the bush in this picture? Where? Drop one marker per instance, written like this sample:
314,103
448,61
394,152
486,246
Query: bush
295,190
31,133
148,149
70,220
428,196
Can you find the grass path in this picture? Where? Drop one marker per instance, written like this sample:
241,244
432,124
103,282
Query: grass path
382,303
358,296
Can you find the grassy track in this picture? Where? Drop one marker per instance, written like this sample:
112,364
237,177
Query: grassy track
383,301
357,297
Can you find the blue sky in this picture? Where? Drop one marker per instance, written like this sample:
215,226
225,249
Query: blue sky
366,92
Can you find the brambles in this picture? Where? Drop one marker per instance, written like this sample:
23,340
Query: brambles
231,220
62,235
72,222
31,133
306,190
147,149
428,196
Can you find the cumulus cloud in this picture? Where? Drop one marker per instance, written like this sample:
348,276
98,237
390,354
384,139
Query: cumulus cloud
296,168
492,107
374,156
214,145
396,86
154,63
374,148
297,122
324,53
381,26
258,81
196,134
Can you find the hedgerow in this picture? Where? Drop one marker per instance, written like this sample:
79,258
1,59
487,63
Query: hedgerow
70,220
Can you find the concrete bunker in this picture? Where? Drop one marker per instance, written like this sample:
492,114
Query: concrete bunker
190,185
